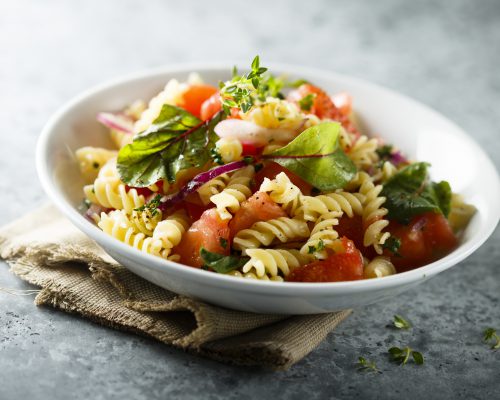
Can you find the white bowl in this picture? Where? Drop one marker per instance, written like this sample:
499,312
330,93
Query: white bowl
420,132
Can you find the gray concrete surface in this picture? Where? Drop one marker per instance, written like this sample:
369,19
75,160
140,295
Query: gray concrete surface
445,54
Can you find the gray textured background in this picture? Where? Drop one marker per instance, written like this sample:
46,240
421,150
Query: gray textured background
445,54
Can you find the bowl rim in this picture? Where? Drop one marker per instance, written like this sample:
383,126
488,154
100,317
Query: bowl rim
254,285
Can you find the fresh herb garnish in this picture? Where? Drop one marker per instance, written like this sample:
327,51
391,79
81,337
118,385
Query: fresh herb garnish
385,151
151,206
401,323
393,244
402,356
489,335
176,140
216,156
307,102
316,157
365,365
223,242
319,247
258,167
410,193
241,91
221,263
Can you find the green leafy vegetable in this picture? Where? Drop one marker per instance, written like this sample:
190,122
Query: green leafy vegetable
221,263
393,244
315,156
410,193
365,365
402,356
491,335
307,102
400,323
223,242
151,206
176,140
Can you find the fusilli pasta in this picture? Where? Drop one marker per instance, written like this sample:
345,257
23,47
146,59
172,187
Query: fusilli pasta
283,192
273,262
230,149
263,233
379,267
91,159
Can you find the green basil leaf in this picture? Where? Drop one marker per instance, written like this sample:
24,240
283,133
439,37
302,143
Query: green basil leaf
221,263
315,156
176,140
409,193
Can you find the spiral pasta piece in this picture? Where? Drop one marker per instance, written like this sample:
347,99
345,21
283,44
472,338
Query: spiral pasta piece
109,191
212,187
378,268
323,236
145,221
373,213
91,159
282,191
117,225
273,263
170,230
251,275
230,149
363,153
313,207
238,190
386,172
263,233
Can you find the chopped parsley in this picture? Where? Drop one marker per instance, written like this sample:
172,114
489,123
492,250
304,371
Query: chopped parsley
393,244
307,102
400,323
368,366
315,249
151,206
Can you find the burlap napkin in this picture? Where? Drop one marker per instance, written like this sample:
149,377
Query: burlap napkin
75,275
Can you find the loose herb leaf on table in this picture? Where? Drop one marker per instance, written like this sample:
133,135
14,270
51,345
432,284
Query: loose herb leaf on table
176,140
365,365
316,157
490,334
402,356
410,193
401,323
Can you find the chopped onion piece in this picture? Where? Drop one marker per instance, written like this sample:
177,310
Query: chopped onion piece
198,181
118,122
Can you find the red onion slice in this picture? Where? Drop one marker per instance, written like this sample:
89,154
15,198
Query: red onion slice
199,180
118,122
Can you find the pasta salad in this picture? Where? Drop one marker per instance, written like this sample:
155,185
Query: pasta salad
268,179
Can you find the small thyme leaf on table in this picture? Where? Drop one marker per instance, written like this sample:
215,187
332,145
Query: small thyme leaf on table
400,323
402,356
365,365
489,335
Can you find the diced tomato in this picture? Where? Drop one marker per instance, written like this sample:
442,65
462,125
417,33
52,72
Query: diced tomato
271,169
338,267
322,106
259,207
352,228
144,190
425,239
194,206
251,150
210,107
210,232
195,96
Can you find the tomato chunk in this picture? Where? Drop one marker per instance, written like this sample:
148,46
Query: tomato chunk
259,207
195,96
271,169
210,232
338,267
425,239
352,228
210,107
322,105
